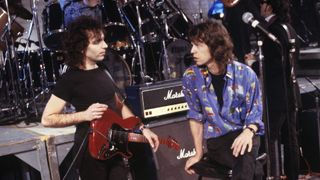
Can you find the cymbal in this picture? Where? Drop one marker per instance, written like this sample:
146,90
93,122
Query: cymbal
18,10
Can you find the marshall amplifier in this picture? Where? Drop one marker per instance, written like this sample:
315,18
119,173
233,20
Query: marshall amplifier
170,163
158,99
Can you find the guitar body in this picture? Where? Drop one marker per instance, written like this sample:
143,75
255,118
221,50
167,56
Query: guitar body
108,128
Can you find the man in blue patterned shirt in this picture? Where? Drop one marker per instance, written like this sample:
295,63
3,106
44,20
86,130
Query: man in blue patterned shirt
224,100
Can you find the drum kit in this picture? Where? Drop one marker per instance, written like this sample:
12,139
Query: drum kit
152,38
146,42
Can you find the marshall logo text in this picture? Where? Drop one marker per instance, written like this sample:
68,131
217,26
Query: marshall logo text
187,154
171,95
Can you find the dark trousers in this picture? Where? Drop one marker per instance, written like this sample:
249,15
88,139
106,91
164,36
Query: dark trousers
283,131
111,169
89,168
244,166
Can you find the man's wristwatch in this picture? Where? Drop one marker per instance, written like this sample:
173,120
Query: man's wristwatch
251,129
141,128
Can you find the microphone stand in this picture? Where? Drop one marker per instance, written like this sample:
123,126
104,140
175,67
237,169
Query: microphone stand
276,143
265,116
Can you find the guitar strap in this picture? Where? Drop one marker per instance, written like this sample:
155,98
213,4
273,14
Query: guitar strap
120,98
76,156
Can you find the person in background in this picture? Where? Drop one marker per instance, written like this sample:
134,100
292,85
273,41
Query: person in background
281,89
75,8
224,100
91,91
240,33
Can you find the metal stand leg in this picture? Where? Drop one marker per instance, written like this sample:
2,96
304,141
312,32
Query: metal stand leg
167,70
140,48
42,66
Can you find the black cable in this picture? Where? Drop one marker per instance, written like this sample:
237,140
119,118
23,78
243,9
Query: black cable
76,156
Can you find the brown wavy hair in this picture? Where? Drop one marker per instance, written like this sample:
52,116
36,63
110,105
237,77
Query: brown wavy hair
76,39
217,38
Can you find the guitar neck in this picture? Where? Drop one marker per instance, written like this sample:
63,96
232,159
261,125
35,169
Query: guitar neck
138,138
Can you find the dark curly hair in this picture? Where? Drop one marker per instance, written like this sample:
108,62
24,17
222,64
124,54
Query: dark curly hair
281,8
217,38
76,39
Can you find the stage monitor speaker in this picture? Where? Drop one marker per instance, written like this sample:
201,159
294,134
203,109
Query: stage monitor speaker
170,163
309,141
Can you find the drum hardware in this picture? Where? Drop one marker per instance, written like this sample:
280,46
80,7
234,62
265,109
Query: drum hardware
179,57
15,101
140,49
136,29
151,23
166,71
118,68
53,26
43,75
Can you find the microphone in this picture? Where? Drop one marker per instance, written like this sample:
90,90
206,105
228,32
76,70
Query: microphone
248,18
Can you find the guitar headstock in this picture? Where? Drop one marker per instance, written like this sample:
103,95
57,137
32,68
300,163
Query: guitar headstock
172,143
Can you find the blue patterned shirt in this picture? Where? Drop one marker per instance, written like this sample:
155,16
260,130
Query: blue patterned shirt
242,103
76,9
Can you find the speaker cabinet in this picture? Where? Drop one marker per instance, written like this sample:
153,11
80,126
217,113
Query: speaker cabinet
169,162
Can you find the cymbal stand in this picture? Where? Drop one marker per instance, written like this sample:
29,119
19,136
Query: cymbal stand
125,20
10,57
36,23
167,70
140,47
26,52
43,76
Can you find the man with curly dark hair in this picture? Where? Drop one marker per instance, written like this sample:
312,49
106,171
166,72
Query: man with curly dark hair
224,102
91,91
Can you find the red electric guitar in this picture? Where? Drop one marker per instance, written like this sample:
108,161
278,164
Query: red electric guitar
110,136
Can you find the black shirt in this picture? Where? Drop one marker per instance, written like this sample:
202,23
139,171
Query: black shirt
218,82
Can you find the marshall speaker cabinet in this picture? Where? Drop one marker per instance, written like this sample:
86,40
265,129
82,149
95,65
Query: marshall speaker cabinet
169,162
158,99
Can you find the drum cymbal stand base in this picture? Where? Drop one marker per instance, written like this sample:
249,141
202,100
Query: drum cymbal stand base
14,96
43,75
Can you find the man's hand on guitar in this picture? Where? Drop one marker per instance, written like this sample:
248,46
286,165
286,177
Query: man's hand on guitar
95,111
152,138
